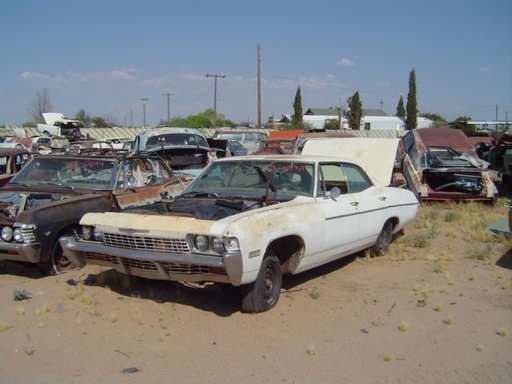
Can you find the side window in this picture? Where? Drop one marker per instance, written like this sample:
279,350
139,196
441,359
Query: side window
3,164
249,137
357,179
330,176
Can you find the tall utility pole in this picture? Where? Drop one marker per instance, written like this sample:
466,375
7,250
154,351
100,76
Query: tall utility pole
144,99
259,87
168,106
215,97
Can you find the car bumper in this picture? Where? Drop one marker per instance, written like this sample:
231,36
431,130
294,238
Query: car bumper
29,253
191,268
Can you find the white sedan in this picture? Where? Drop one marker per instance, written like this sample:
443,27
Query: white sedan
245,221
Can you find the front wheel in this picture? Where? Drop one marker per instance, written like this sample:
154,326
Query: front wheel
263,293
59,263
381,245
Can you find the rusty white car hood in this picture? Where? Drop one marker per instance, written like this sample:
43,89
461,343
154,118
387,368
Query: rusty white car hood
375,155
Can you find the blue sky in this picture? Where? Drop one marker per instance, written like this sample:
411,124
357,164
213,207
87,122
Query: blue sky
103,56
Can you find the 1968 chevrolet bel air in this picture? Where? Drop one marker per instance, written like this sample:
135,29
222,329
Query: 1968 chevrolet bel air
245,221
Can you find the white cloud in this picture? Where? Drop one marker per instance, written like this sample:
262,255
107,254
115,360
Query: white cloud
485,70
33,76
346,62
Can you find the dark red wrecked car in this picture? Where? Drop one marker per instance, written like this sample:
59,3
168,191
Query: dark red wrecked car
441,164
49,196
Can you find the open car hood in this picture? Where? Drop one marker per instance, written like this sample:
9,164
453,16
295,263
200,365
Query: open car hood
376,155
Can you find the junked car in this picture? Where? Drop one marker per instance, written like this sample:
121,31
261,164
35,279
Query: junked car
499,156
51,193
274,146
185,149
441,164
11,162
245,221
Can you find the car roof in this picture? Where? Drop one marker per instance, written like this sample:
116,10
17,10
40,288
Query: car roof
295,158
12,151
444,137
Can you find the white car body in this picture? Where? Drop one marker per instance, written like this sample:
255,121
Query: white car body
306,211
56,122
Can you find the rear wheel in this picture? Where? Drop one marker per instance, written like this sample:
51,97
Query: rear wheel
382,243
263,293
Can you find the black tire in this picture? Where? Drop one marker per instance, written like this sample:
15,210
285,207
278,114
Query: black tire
263,294
59,262
381,246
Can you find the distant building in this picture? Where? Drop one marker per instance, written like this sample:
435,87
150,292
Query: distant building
373,119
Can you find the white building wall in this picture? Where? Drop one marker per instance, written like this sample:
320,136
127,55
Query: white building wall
382,123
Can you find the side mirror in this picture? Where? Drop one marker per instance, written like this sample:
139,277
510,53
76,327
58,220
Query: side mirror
334,193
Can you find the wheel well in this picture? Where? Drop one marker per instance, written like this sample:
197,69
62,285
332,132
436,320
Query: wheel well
69,230
394,221
289,250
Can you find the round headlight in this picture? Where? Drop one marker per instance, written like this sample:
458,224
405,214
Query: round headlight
217,245
18,236
6,233
201,243
98,236
87,232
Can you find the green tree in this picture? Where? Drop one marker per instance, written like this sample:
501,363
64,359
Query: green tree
332,124
355,111
400,109
412,105
84,118
461,123
201,120
297,110
437,119
433,116
100,122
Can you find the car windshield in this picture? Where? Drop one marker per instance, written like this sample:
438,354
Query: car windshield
254,177
445,157
69,172
176,140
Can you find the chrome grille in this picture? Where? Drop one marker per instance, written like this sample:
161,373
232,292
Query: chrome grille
143,243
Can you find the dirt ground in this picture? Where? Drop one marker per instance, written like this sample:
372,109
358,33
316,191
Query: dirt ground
436,309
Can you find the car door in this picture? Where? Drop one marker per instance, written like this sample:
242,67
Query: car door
353,219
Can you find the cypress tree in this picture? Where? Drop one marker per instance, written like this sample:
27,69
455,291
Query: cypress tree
297,110
412,106
400,109
355,112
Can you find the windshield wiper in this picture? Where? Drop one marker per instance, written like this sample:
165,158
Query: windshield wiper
16,183
56,185
199,194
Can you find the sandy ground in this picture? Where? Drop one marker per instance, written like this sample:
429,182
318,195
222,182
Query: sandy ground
436,313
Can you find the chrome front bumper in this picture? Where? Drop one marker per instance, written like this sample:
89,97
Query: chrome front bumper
29,253
156,265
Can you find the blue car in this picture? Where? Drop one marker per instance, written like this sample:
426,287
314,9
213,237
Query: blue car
236,149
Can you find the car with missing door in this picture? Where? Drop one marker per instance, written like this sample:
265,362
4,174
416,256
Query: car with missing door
245,221
442,164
